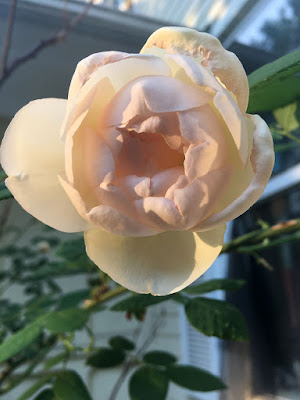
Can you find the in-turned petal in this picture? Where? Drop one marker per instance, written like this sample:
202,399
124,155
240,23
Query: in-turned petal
160,264
32,155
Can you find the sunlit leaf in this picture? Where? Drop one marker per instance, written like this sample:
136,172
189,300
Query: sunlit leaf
20,340
67,320
289,116
275,84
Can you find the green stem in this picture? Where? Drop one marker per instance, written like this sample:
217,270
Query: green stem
257,236
268,244
105,297
28,372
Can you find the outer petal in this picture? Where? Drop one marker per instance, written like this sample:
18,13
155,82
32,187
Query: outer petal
209,51
161,264
223,101
88,65
32,155
262,160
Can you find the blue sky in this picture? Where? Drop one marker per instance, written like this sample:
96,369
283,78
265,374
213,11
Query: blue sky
271,11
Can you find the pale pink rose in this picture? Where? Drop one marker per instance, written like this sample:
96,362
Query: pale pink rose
151,155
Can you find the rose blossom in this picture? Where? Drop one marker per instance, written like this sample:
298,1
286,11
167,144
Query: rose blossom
151,155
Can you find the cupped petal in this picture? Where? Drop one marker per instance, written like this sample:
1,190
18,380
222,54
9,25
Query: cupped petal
88,65
98,161
152,94
85,109
117,74
208,51
160,264
197,199
32,155
161,182
106,217
262,162
223,102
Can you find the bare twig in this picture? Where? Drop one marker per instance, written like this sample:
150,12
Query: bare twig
7,41
50,41
132,362
65,18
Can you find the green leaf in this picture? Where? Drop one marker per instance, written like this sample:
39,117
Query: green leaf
275,84
289,116
20,340
138,302
159,358
46,394
216,318
73,299
4,192
72,249
106,357
215,284
148,383
57,269
51,362
35,387
121,343
194,378
70,386
68,320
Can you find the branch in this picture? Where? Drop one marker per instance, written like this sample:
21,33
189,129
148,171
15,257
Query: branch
92,303
7,41
12,365
131,363
50,41
260,238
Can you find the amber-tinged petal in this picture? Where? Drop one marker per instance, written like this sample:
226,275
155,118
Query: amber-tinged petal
160,264
32,155
208,51
262,162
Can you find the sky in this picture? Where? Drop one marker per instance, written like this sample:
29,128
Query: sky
271,11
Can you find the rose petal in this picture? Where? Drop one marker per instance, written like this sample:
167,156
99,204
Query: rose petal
160,264
111,220
88,65
160,213
199,197
106,217
262,160
135,186
90,102
223,101
200,124
161,182
208,51
98,161
153,94
32,154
